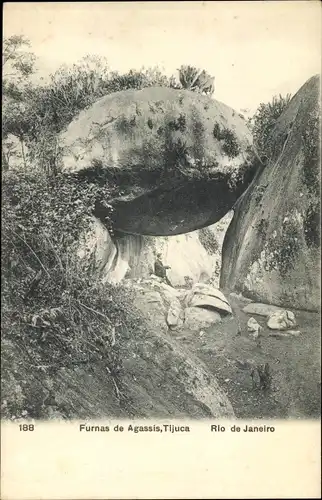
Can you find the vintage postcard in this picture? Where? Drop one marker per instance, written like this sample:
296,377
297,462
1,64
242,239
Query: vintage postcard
161,250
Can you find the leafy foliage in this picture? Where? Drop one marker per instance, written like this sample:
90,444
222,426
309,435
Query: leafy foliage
20,62
17,66
228,139
263,122
311,179
54,312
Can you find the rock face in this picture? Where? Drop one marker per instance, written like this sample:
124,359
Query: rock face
196,318
178,160
96,247
192,258
271,251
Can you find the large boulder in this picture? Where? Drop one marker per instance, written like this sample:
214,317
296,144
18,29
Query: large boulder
178,160
271,251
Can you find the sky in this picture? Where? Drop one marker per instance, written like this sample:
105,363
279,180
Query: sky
255,50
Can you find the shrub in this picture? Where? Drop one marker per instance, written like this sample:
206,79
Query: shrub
54,314
230,145
263,122
194,79
228,139
311,179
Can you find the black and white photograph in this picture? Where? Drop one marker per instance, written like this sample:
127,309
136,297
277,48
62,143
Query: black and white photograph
161,212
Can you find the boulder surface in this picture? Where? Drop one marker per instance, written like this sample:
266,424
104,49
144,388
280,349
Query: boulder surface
178,160
271,251
208,297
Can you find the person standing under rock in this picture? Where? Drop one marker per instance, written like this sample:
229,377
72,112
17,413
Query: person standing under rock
160,270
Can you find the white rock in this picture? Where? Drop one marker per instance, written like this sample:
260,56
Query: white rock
168,292
261,309
95,244
206,296
281,320
196,318
175,314
253,326
156,278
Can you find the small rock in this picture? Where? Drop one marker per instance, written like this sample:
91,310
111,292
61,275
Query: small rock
255,335
175,314
294,333
253,326
288,333
281,320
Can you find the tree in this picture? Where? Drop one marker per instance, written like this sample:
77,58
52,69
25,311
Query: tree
17,66
16,61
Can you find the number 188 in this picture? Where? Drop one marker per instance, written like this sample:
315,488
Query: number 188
26,427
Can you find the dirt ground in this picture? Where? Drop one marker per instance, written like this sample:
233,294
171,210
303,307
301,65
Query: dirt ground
294,363
174,374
